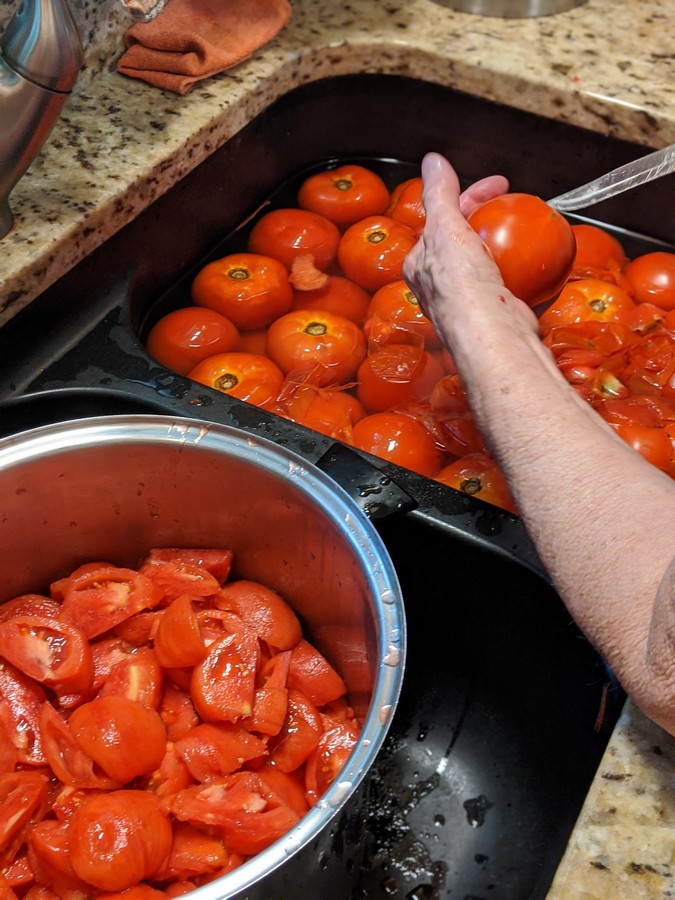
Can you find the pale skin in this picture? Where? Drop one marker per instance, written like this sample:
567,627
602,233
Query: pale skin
601,517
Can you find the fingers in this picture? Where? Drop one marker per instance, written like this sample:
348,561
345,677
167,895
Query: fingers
481,191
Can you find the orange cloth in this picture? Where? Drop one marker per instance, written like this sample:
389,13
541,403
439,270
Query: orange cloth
194,39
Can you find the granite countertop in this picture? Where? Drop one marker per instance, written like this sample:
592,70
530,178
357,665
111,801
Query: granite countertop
120,143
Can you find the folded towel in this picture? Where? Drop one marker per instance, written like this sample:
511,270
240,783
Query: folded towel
194,39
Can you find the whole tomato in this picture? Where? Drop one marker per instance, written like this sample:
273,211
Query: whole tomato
586,300
182,338
286,234
249,289
311,339
339,295
330,411
478,475
399,439
652,277
345,194
246,376
394,374
595,247
532,244
397,304
406,204
371,252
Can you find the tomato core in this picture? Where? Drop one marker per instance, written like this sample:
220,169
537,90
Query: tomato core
471,486
376,237
316,329
239,274
227,382
343,184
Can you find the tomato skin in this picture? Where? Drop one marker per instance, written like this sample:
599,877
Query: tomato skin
249,289
478,475
395,302
406,204
285,234
372,251
51,652
249,377
595,247
339,295
182,338
305,340
124,738
119,839
531,243
263,610
345,194
395,374
586,300
652,277
399,439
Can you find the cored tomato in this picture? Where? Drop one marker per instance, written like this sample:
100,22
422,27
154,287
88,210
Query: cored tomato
315,340
399,439
372,251
339,295
246,376
406,204
586,300
345,194
532,244
652,278
119,839
285,234
478,475
249,289
182,338
397,304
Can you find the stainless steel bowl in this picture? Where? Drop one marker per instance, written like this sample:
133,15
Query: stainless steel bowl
512,9
113,487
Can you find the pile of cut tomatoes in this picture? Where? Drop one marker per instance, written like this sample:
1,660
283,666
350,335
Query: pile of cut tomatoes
315,323
158,727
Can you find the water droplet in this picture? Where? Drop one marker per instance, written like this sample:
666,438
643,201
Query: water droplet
476,808
439,820
393,656
365,490
385,713
388,596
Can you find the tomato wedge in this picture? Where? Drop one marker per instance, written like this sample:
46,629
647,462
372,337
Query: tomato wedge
21,702
271,698
54,653
194,853
49,849
300,734
22,795
223,684
99,599
136,675
210,750
178,639
68,760
263,610
312,674
326,761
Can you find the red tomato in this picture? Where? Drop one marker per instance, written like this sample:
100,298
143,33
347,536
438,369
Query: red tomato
394,374
532,244
137,675
479,476
210,750
193,853
314,340
223,683
49,852
119,839
653,444
271,698
23,797
299,735
177,711
69,762
54,653
176,577
253,341
406,204
330,411
396,303
339,295
263,610
345,194
587,300
250,289
124,738
372,251
286,234
97,600
399,439
289,786
30,605
182,338
21,703
217,562
310,673
246,376
652,277
595,247
327,760
178,639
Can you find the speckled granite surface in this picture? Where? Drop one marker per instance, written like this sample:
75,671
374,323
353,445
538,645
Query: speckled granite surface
608,66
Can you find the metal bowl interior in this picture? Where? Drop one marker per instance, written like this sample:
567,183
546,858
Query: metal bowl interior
113,487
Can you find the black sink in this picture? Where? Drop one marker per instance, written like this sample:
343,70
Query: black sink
506,709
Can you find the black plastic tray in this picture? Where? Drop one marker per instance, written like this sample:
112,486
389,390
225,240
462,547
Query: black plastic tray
498,733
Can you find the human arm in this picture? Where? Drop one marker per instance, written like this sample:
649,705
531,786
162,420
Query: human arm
601,517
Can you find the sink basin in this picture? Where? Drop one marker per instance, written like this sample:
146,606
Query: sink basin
506,709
